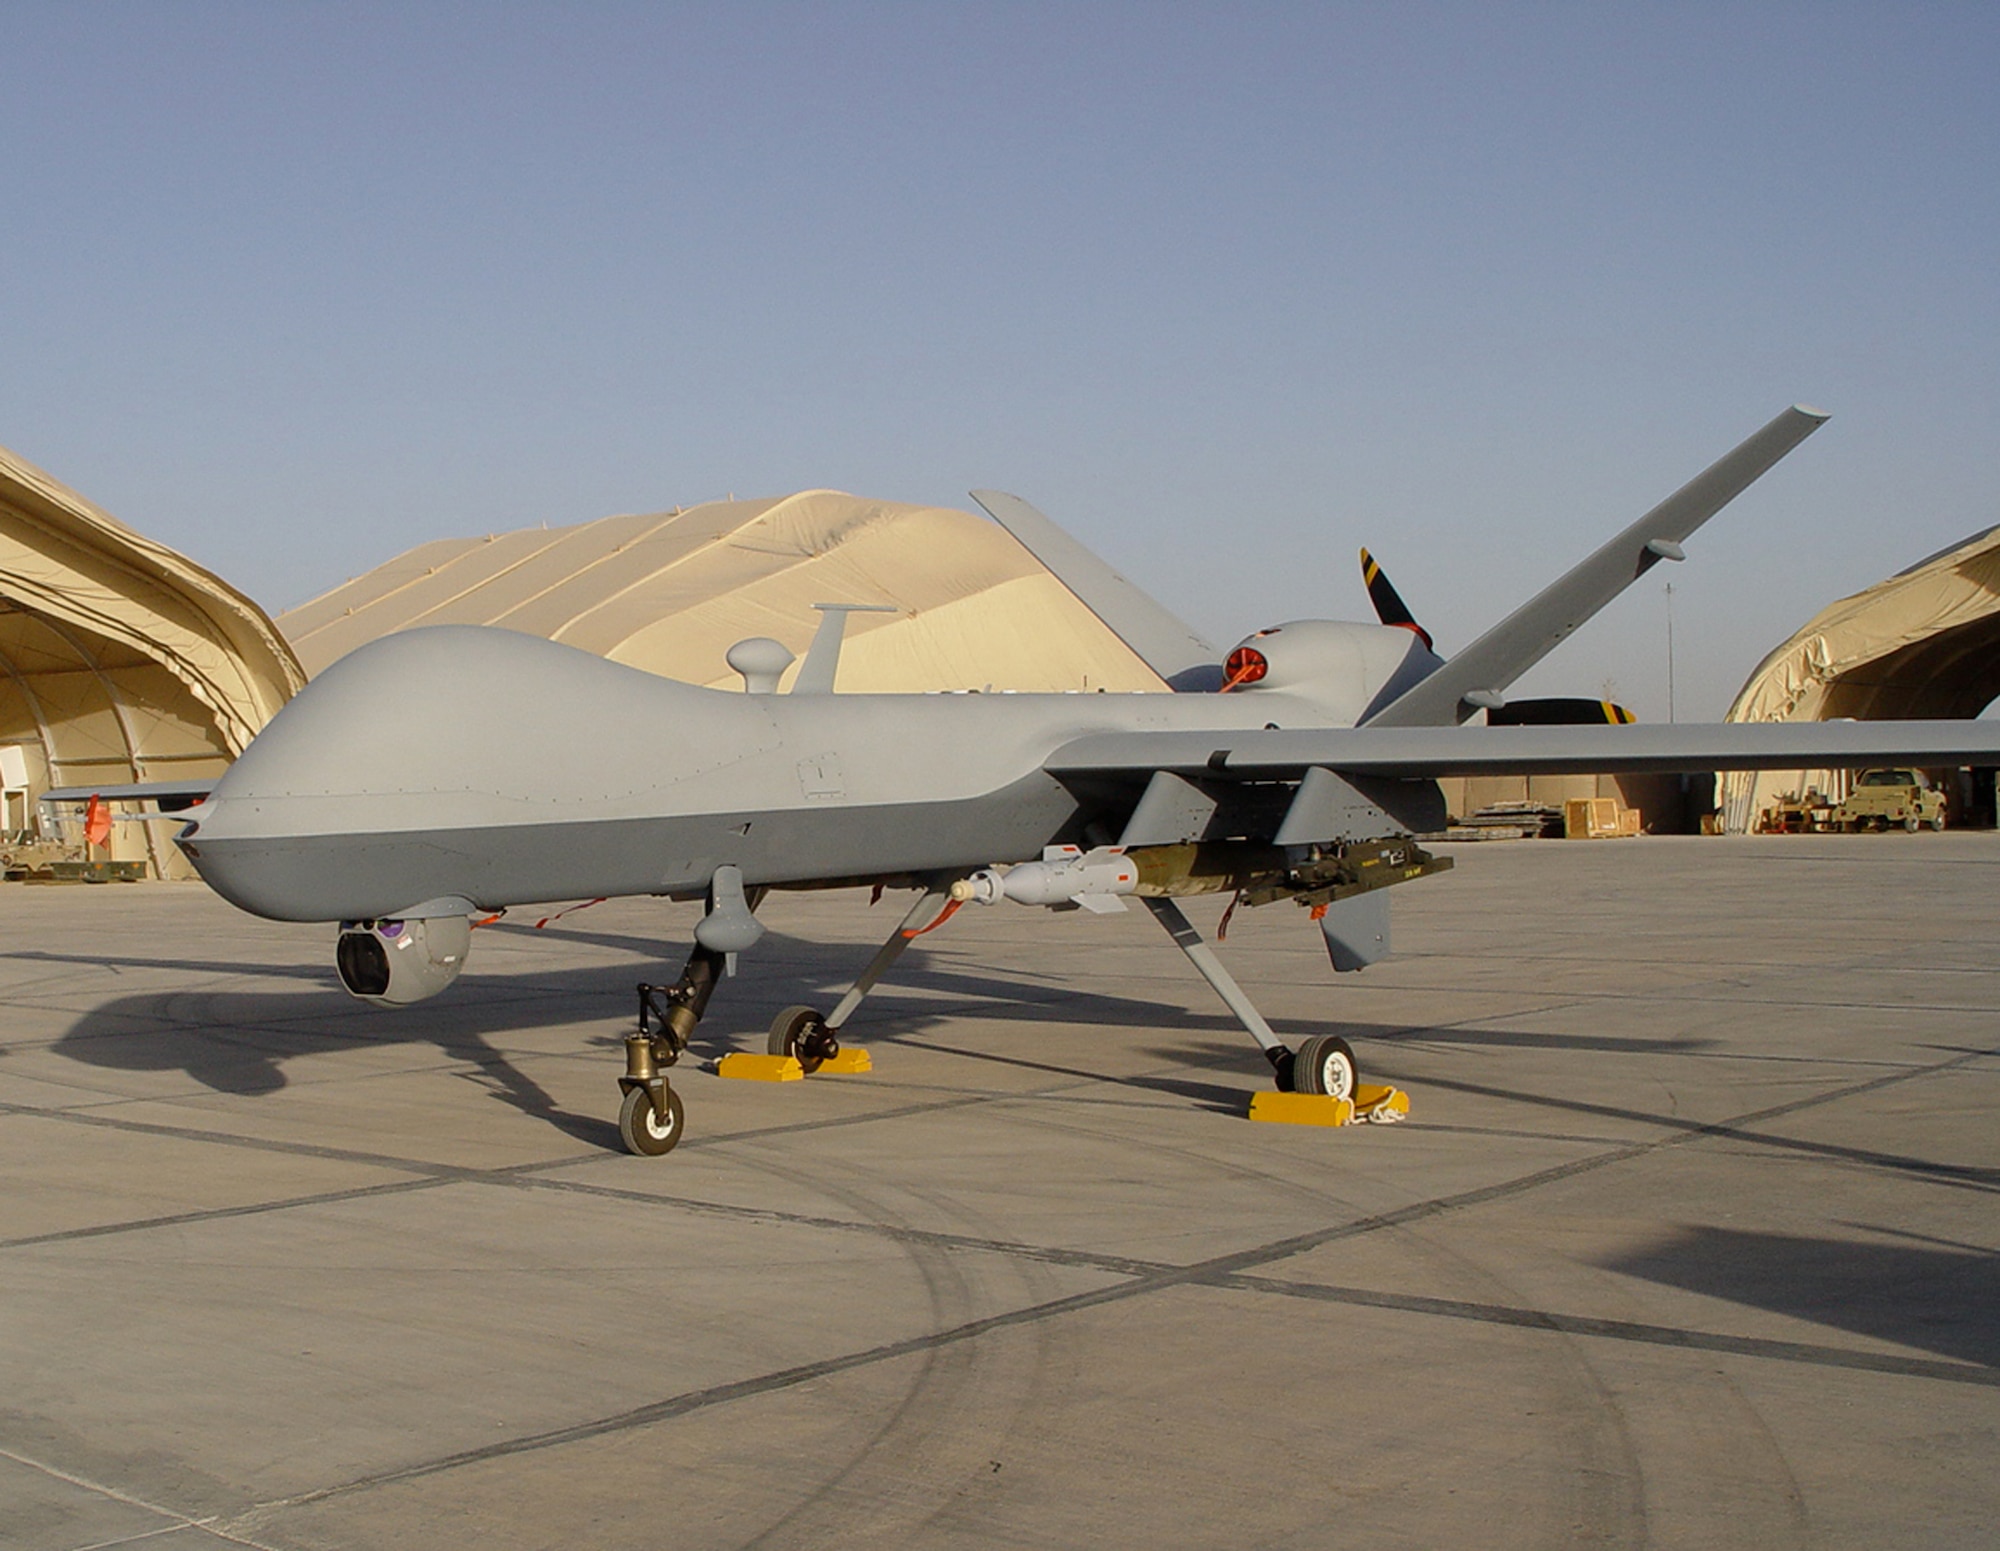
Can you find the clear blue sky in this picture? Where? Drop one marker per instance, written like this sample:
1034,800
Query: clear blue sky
1227,290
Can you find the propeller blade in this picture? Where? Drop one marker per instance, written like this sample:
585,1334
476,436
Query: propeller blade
1389,605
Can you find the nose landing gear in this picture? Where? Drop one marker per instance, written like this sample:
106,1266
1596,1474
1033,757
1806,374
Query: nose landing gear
650,1118
650,1121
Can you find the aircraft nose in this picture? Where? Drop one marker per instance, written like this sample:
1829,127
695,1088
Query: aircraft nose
398,773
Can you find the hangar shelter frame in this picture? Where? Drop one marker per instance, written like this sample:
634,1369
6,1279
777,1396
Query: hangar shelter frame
121,660
964,605
1922,643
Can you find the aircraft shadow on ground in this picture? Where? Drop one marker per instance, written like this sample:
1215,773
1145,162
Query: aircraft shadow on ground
239,1041
1943,1299
321,973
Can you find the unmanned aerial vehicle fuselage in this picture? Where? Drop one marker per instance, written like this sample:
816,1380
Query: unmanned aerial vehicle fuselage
437,776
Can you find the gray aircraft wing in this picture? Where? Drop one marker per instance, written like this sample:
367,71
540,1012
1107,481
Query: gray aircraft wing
1477,675
1477,751
1166,644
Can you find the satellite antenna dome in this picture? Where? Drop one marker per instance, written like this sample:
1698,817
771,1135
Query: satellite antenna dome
762,662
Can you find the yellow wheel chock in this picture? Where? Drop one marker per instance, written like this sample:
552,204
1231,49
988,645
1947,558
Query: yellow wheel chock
760,1068
1372,1104
756,1068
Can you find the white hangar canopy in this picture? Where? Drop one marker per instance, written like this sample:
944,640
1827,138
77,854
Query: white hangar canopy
1923,643
671,592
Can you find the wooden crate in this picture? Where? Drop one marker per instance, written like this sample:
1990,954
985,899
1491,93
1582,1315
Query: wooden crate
1590,818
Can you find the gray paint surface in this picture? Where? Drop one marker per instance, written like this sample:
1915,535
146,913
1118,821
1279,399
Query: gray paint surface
482,764
1472,751
463,760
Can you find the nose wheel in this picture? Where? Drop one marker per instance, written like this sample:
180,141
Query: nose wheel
650,1118
644,1128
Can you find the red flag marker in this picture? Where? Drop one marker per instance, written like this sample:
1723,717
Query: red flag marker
97,822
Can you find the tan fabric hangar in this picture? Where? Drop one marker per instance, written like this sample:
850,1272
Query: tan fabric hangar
124,662
671,592
120,662
1923,643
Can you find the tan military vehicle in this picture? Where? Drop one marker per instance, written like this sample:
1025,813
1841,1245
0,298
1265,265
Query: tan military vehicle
1884,797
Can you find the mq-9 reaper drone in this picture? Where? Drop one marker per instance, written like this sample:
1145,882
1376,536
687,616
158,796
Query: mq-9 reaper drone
397,795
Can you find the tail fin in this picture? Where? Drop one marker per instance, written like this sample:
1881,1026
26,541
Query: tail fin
1166,644
1389,605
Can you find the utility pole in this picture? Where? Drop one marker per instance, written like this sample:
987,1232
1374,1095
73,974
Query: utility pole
1670,652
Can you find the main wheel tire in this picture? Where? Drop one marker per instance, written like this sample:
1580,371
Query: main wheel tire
641,1129
802,1034
1325,1064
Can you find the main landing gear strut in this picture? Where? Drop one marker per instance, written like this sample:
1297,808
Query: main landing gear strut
1323,1064
650,1118
812,1039
802,1033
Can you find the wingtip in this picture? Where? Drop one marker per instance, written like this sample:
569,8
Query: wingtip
1811,413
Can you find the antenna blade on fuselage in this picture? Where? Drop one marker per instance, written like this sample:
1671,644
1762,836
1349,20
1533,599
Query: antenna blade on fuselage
1166,644
816,673
1499,657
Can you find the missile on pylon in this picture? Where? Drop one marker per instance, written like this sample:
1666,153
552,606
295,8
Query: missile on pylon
1069,877
1097,879
1066,875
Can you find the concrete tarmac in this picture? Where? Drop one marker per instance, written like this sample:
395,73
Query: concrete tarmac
1690,1240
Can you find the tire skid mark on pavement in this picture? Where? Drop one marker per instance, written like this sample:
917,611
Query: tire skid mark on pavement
1220,1269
